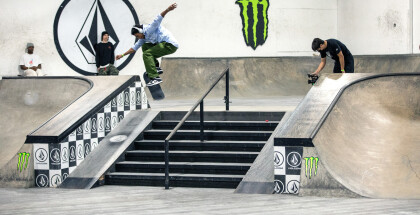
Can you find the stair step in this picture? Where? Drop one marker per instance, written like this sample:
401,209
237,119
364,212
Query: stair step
208,135
183,167
192,156
190,145
176,180
218,125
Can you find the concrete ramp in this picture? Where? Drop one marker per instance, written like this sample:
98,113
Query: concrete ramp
353,135
27,103
370,141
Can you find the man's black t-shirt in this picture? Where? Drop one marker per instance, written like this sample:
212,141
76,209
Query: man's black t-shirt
333,48
104,54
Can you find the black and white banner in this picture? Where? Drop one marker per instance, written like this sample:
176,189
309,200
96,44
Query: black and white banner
287,168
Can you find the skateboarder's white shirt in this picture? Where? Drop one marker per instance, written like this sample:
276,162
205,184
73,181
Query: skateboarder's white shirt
155,33
30,60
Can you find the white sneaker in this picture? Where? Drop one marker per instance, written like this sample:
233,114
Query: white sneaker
153,82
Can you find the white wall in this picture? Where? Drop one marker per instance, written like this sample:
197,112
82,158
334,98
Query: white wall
376,26
203,29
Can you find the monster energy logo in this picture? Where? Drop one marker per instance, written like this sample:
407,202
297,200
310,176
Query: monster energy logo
311,163
23,160
254,21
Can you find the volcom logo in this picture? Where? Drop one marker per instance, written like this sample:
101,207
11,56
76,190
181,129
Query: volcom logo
278,187
107,123
293,186
127,99
94,144
278,159
41,180
254,21
72,153
41,155
294,159
138,100
101,124
114,122
94,123
87,126
65,175
311,163
79,130
64,154
55,180
114,102
23,161
55,155
120,99
76,44
120,118
87,149
80,151
133,98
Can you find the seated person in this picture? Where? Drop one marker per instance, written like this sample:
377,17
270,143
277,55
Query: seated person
30,63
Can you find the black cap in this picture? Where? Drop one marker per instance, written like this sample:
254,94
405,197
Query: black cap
103,33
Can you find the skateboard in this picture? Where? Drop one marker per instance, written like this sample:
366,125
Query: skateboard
155,90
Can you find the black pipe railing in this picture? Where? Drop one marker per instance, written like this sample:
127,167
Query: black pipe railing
201,103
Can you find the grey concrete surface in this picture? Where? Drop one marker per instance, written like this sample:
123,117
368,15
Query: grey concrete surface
156,200
264,77
25,105
370,141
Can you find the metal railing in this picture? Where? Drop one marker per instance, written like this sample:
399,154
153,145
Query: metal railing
201,103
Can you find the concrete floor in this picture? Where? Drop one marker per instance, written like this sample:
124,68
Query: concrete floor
156,200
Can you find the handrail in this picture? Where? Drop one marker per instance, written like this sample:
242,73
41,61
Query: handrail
178,126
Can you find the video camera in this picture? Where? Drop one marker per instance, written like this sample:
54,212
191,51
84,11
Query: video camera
312,79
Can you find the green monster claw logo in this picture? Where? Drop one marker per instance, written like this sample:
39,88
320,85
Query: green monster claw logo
254,20
23,160
310,161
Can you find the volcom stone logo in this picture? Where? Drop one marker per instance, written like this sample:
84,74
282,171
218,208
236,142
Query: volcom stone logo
80,151
108,123
23,161
293,187
133,98
41,180
278,159
101,124
56,180
254,21
114,122
65,175
278,187
64,154
126,99
41,155
87,149
138,100
94,125
311,165
294,159
72,153
55,155
78,25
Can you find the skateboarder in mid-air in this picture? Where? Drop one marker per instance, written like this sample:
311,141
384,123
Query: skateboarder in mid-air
156,41
336,50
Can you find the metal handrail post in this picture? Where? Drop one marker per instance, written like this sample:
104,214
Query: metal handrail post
166,164
227,90
202,121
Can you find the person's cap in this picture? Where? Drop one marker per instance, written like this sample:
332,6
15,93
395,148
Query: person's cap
103,33
29,45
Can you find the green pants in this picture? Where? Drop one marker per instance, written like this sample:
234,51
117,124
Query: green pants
109,70
153,51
